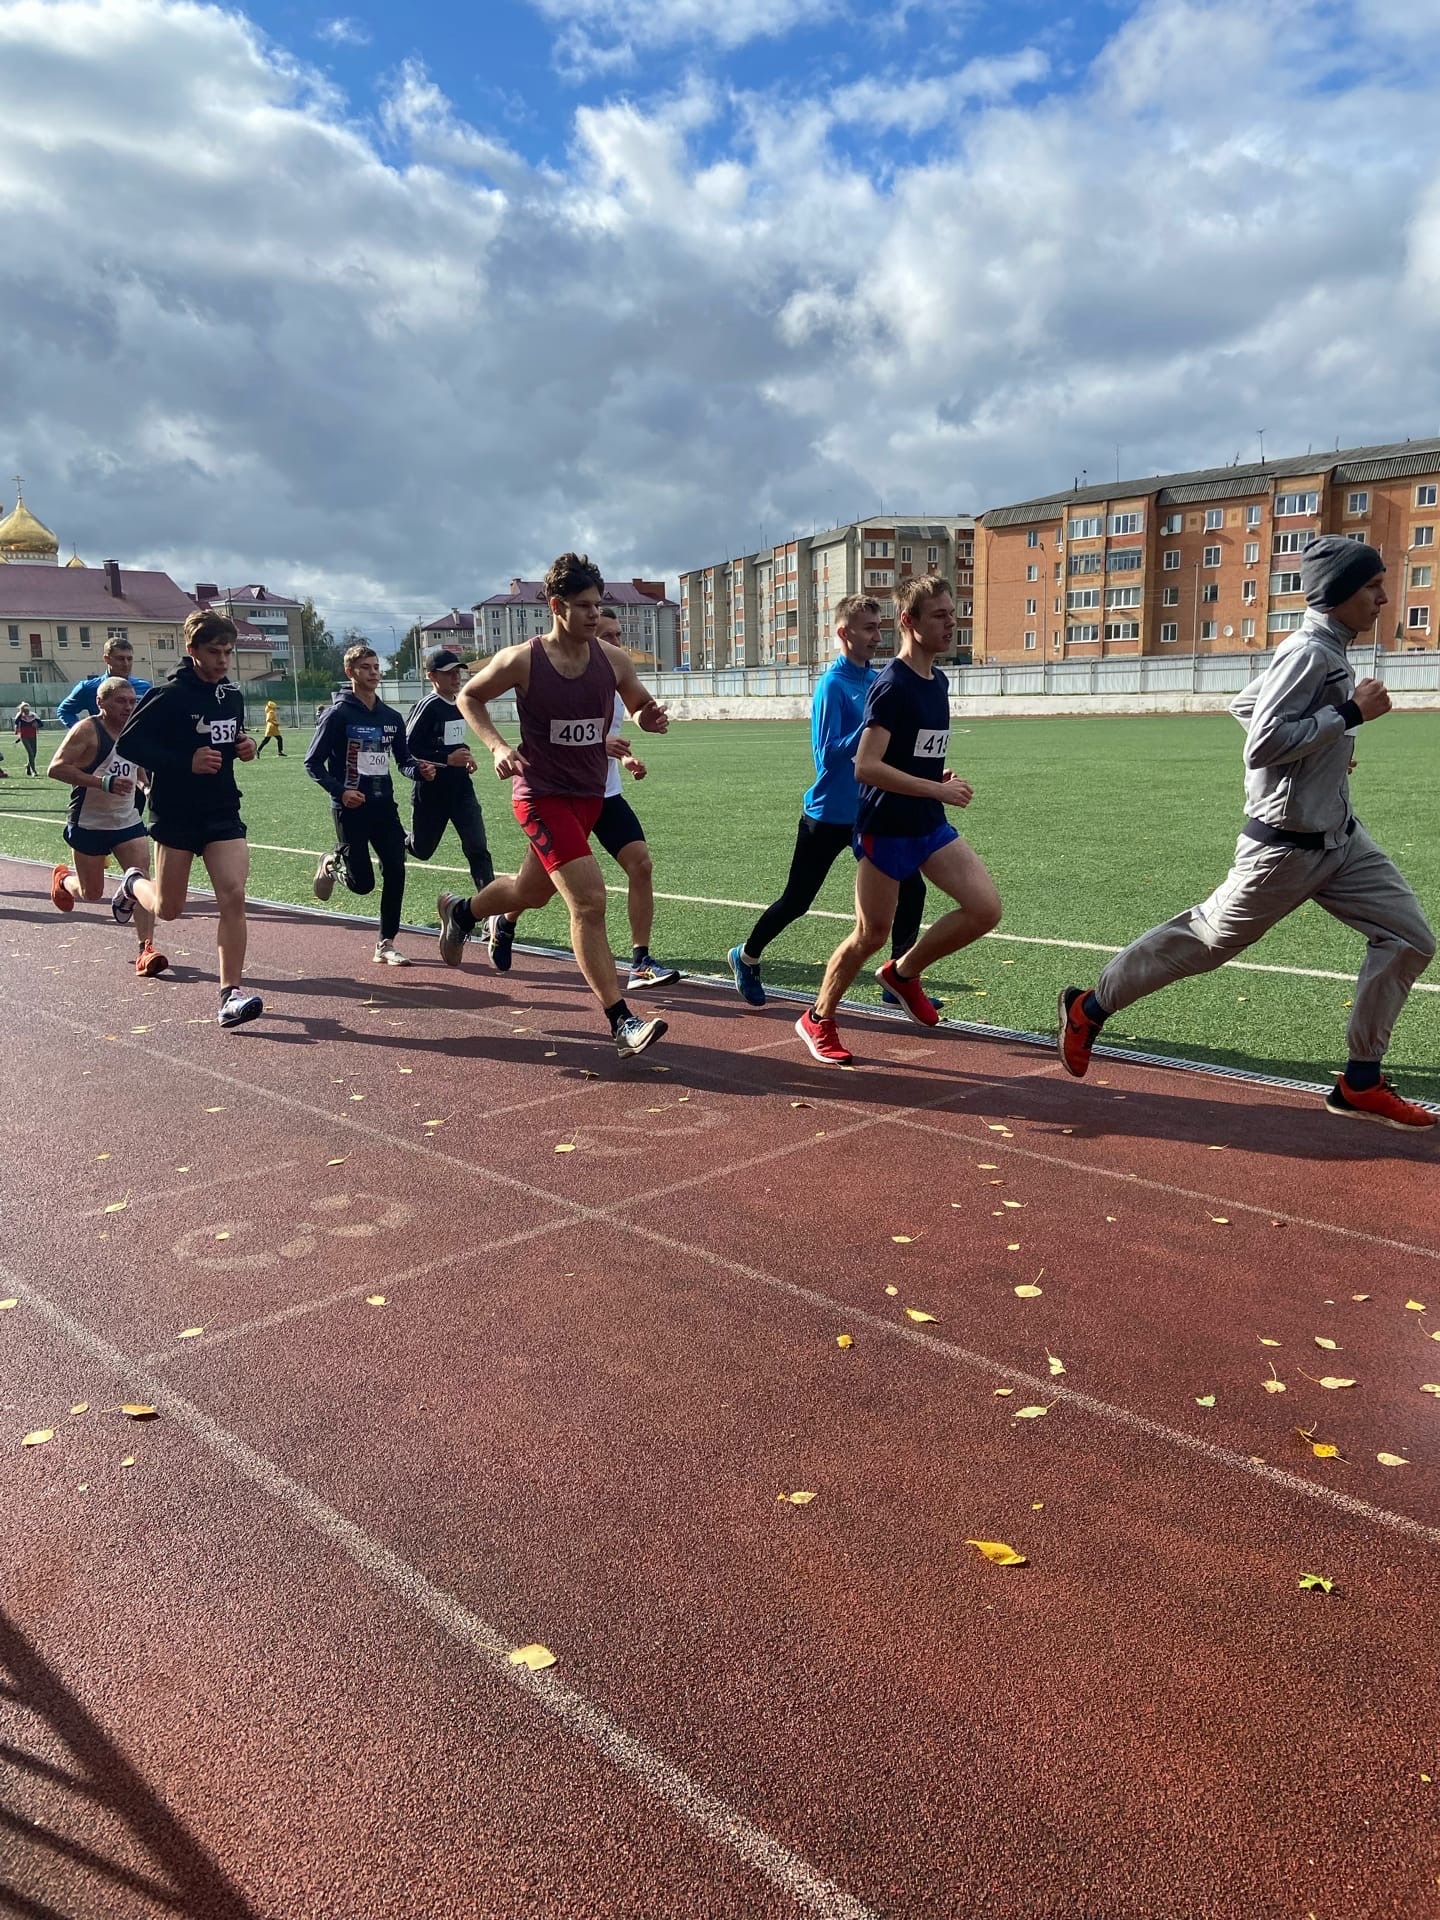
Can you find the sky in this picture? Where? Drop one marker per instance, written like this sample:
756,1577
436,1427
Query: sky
389,305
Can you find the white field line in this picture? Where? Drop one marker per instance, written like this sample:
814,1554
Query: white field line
665,1782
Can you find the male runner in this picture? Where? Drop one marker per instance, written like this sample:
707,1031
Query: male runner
900,828
102,818
189,732
564,682
827,818
350,758
436,732
1300,842
621,835
272,730
119,657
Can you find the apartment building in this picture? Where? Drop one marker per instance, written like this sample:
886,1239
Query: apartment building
777,607
55,621
1204,562
647,616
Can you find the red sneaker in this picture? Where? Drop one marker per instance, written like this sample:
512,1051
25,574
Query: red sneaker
148,962
911,995
822,1037
1078,1033
60,895
1381,1104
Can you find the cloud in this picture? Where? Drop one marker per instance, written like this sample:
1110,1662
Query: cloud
344,32
596,37
258,331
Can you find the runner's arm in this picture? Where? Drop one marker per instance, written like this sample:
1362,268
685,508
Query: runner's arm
151,739
871,771
507,672
324,757
832,744
1283,714
72,708
68,763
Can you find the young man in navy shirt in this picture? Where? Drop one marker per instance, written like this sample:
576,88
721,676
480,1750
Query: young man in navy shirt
901,828
827,819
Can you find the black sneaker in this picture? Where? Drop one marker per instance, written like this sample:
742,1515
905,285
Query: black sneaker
238,1006
500,938
634,1035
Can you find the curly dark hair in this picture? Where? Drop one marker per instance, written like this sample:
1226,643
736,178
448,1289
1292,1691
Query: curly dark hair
572,573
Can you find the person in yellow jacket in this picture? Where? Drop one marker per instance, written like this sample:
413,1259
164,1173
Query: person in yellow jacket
272,730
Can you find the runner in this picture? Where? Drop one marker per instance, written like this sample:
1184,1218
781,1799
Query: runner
102,818
564,682
189,732
272,731
900,827
26,727
436,732
350,758
1300,842
827,818
621,835
119,657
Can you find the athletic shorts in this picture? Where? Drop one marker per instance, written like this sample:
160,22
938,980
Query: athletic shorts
194,837
557,825
102,840
618,825
901,854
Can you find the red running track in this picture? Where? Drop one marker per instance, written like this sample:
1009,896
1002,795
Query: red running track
263,1671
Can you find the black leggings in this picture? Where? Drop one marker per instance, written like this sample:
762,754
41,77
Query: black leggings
818,845
279,745
440,801
357,829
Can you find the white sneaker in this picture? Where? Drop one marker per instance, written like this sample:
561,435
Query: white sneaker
387,954
634,1035
323,885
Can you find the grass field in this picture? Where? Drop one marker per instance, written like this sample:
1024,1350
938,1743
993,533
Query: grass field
1094,828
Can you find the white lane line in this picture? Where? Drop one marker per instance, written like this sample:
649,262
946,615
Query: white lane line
133,1200
661,1778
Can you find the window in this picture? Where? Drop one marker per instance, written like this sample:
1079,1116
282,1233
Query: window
1210,557
1425,494
1252,553
1422,536
1361,534
1125,560
13,635
1029,641
1293,503
62,636
1171,560
874,580
1418,619
1057,603
1122,629
1283,622
1081,636
1122,597
1085,563
1127,523
1032,572
1059,568
1357,503
1170,596
30,676
932,554
1208,629
1214,518
1030,608
1209,593
1169,633
1173,523
1253,515
1082,597
117,633
1247,629
907,553
1087,528
1032,538
1284,583
1420,576
1290,542
1249,592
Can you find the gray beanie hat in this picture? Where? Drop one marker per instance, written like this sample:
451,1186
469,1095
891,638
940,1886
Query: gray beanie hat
1332,568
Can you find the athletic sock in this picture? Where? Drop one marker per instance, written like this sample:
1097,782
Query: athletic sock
462,916
749,959
616,1015
1093,1010
1362,1075
637,954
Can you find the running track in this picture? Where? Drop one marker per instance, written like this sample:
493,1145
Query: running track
264,1671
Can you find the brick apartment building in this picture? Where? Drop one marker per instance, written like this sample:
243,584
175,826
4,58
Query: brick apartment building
776,607
1204,562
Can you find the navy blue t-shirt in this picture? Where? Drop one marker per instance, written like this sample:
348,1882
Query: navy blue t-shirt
916,715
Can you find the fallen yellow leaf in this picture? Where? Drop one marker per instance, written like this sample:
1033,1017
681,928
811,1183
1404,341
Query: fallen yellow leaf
1359,1296
535,1657
892,1291
999,1553
1268,1343
338,1162
1274,1384
1333,1380
801,1103
82,1407
1220,1219
1392,1459
1028,1293
134,1411
118,1206
1014,1205
38,1437
796,1499
1014,1247
566,1146
1057,1365
1431,1387
128,1461
844,1340
1204,1399
588,1073
987,1166
375,1299
1003,1393
1330,1346
222,1236
5,1305
901,1239
214,1109
1324,1450
1415,1306
190,1333
1031,1413
914,1313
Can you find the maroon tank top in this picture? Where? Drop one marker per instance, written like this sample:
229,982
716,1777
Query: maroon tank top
563,725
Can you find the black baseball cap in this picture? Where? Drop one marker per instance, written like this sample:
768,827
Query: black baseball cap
437,659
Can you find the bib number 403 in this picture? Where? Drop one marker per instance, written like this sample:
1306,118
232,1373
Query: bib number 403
576,733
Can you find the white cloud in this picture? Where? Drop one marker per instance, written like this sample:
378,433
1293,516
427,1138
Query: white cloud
251,334
603,36
344,31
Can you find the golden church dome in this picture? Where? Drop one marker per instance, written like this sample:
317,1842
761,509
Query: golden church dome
74,560
22,537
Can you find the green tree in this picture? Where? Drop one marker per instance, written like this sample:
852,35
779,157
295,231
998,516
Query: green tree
407,661
320,653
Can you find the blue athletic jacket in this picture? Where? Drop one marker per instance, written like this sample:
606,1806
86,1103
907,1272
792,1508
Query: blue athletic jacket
837,719
80,700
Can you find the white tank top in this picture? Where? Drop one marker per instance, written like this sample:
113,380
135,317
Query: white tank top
91,806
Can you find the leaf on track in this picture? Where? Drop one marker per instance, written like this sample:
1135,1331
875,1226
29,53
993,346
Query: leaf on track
921,1319
1220,1219
1415,1306
1359,1296
1316,1583
588,1073
998,1553
844,1340
1324,1450
338,1162
1267,1343
135,1410
1334,1381
128,1461
82,1406
6,1305
38,1437
1057,1365
1392,1459
1204,1399
566,1146
214,1109
118,1206
190,1333
902,1239
794,1499
535,1657
1003,1393
1432,1387
1031,1413
1330,1346
1274,1384
802,1103
375,1299
1028,1292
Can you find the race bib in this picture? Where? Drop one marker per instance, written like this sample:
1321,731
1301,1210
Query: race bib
119,769
577,733
932,746
454,733
372,761
222,733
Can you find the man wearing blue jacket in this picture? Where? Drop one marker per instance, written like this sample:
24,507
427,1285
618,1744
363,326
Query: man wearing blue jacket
827,823
119,658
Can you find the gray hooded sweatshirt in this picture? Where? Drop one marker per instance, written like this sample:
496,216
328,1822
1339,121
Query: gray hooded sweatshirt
1299,716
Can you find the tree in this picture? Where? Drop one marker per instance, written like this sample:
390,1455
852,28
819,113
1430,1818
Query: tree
319,652
407,663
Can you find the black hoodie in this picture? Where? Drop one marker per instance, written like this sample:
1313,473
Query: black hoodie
174,719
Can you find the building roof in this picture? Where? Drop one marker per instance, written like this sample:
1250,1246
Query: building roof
524,593
81,593
1245,479
23,534
452,622
257,595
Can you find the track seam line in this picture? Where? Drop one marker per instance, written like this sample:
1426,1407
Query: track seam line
665,1781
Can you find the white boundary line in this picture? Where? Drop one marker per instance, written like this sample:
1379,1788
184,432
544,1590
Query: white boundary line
665,1782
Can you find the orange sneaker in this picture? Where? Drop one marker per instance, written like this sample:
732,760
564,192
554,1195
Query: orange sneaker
1381,1104
60,895
148,962
1078,1033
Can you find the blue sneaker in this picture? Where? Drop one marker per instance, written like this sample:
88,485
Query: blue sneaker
747,979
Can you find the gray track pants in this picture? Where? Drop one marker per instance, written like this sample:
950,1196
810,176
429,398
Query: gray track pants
1355,881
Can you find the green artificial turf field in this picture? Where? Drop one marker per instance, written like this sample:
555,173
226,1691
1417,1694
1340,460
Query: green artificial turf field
1094,828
